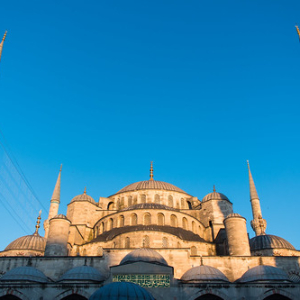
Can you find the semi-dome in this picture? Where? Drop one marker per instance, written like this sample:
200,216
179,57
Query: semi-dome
150,185
33,242
215,196
24,274
268,241
264,273
204,273
121,290
143,255
83,197
83,273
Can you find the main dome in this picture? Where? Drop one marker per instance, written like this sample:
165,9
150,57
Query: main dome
150,185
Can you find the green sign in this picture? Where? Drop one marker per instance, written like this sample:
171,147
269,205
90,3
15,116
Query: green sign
145,280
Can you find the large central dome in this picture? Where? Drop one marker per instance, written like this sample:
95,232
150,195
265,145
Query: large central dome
150,185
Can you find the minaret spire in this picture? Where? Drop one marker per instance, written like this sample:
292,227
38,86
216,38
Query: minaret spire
151,170
54,203
37,226
2,42
258,224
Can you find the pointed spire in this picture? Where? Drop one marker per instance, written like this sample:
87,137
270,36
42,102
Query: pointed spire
2,42
214,188
253,192
56,192
37,226
151,170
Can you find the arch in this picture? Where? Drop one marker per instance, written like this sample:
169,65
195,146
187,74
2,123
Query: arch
157,199
146,241
143,198
193,251
101,228
110,224
129,200
215,295
121,221
276,294
11,294
135,200
170,201
160,219
110,206
147,219
277,297
184,223
182,203
174,222
122,203
118,204
165,242
127,242
194,227
189,204
67,295
134,219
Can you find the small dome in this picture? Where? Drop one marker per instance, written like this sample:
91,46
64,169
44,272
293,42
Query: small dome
24,274
150,185
234,215
60,216
83,273
204,273
264,273
33,242
83,197
148,206
121,290
215,196
145,255
268,241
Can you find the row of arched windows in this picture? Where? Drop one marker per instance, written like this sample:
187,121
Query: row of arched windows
120,203
146,220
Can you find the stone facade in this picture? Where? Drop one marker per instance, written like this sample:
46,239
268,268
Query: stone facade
185,232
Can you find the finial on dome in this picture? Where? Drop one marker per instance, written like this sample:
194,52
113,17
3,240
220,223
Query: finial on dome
37,226
214,189
84,190
151,170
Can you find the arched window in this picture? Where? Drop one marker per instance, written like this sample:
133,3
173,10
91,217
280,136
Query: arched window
127,242
147,219
114,244
160,219
70,297
189,204
184,223
164,242
118,204
194,226
193,250
157,198
110,206
110,224
143,198
129,200
135,200
178,245
182,203
121,221
170,201
101,227
122,203
174,222
133,219
146,241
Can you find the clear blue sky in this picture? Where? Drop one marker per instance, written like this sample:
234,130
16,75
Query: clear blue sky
199,87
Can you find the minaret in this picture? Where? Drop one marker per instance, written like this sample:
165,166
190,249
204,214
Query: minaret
1,44
54,204
258,224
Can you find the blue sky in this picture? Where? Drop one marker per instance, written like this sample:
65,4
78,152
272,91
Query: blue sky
199,87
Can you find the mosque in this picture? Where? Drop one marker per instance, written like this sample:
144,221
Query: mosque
150,240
